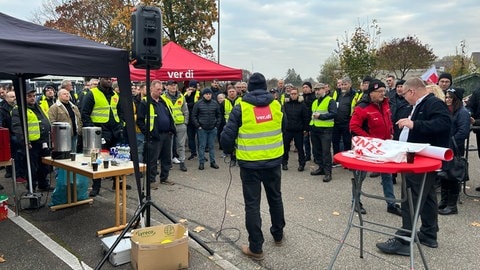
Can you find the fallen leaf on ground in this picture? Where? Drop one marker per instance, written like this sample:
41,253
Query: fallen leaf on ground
301,198
335,213
199,229
476,224
183,220
2,260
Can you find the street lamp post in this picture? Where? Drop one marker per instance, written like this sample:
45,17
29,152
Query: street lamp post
218,35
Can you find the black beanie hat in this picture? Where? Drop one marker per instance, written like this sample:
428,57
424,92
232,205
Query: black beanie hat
399,82
207,91
374,85
307,84
458,91
367,79
257,81
446,76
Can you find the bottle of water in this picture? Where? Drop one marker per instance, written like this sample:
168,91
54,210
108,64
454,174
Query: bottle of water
117,148
127,152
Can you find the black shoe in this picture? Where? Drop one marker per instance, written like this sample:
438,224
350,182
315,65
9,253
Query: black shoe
362,210
477,189
327,178
449,210
201,166
167,182
374,174
214,165
1,187
301,168
426,241
394,209
318,171
8,175
284,167
394,246
182,167
94,192
192,156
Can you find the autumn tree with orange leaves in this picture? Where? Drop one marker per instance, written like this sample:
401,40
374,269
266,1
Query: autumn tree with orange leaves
188,23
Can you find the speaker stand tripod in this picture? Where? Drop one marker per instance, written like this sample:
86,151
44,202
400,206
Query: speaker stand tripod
147,203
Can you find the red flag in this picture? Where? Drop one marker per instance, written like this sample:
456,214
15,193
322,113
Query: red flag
430,75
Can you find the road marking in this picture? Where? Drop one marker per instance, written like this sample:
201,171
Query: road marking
47,242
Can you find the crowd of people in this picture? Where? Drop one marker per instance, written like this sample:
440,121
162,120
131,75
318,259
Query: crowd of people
256,127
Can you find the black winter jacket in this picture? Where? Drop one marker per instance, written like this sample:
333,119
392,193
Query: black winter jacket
298,117
206,114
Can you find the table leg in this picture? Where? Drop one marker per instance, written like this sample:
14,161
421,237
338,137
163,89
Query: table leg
356,203
117,201
124,199
414,216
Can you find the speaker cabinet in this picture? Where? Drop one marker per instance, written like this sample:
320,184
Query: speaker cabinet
147,37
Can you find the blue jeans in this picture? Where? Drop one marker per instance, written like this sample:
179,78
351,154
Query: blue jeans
140,146
387,184
206,138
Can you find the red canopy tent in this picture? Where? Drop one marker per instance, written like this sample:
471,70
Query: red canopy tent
180,64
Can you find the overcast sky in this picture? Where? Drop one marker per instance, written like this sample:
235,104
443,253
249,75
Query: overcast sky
272,36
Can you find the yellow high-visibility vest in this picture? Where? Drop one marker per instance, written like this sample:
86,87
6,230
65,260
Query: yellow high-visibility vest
260,136
321,108
101,108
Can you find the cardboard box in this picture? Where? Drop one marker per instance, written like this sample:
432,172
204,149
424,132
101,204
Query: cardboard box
160,247
121,253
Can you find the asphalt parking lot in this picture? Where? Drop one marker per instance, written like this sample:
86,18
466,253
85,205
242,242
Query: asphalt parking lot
316,216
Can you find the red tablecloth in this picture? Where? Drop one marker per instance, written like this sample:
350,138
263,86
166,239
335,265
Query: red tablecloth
421,164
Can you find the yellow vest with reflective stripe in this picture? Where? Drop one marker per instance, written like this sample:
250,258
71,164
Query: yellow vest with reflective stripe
321,108
260,136
175,109
33,125
229,107
152,117
101,108
44,104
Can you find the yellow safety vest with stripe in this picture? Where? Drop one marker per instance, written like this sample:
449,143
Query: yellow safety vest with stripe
321,108
229,107
356,99
196,97
101,108
152,117
175,109
43,103
260,136
33,125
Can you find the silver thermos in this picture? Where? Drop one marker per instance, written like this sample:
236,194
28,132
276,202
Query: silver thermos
61,140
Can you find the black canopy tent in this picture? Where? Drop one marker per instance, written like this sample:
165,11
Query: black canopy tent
29,50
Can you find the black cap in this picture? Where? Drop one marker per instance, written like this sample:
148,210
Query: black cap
458,91
399,82
207,91
374,85
192,83
170,82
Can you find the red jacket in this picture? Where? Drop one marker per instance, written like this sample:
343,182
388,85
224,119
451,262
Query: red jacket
370,120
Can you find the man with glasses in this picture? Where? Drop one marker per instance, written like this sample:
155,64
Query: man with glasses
297,126
429,122
372,118
390,86
324,110
445,81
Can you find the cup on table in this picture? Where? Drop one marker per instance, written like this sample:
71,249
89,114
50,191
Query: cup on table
73,156
105,164
95,166
410,157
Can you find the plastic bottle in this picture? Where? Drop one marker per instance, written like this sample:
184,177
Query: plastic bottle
127,152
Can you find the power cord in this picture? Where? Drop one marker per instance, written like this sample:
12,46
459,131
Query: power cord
231,163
